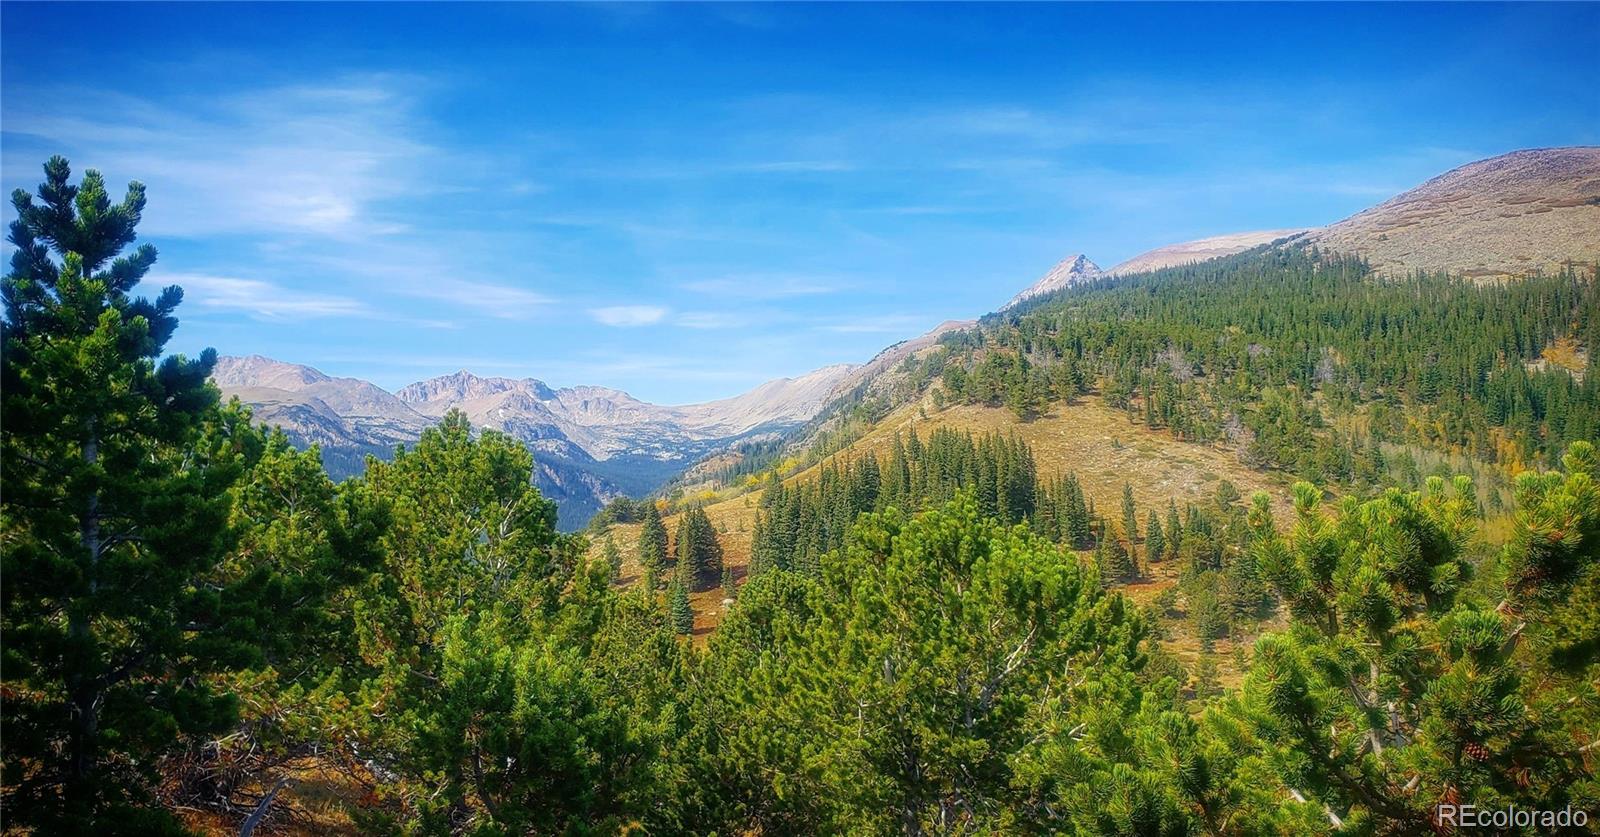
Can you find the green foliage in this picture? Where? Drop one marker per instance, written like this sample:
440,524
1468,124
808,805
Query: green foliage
114,523
302,545
1389,693
1155,542
875,719
652,543
797,524
678,607
612,556
1130,524
1250,350
1553,586
699,553
476,636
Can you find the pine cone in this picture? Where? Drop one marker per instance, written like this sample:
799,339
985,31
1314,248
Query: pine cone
1475,751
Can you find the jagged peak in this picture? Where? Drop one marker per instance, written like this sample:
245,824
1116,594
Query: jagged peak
1072,270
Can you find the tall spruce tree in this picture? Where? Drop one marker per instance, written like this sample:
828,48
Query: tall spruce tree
698,550
1173,533
612,556
652,545
678,608
114,522
1130,523
1155,542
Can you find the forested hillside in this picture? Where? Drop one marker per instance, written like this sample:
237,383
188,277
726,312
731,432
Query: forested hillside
1265,349
924,623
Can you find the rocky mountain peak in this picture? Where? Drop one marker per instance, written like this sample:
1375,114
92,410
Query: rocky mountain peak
465,386
1072,270
259,371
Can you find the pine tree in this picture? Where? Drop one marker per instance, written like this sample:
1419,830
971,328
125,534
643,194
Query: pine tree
114,520
1079,518
474,637
1173,533
867,713
612,556
678,608
652,545
1119,563
1368,590
304,546
1130,523
1155,542
1207,683
698,551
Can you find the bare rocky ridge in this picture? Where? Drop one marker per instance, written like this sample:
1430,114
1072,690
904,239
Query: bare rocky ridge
1075,269
1204,249
1512,215
608,422
347,411
886,360
590,443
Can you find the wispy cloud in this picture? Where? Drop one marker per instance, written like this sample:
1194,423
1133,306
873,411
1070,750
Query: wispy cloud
628,316
764,286
261,299
269,301
499,301
403,269
799,166
885,324
323,178
711,320
316,159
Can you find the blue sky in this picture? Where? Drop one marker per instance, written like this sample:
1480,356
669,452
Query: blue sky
686,200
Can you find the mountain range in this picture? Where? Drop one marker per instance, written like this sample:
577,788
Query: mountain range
1527,211
590,443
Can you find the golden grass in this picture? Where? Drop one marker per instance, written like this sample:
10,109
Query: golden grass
1101,445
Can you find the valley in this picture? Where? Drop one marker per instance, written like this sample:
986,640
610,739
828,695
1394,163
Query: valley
1099,445
522,420
592,443
595,444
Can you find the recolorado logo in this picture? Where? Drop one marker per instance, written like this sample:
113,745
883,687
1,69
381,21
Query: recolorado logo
1474,816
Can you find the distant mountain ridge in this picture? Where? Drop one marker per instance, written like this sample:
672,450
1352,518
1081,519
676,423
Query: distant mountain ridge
1199,250
591,443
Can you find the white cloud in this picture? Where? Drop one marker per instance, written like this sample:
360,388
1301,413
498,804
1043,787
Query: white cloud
763,286
316,159
628,316
261,299
265,300
402,269
500,301
326,177
710,319
887,324
795,166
